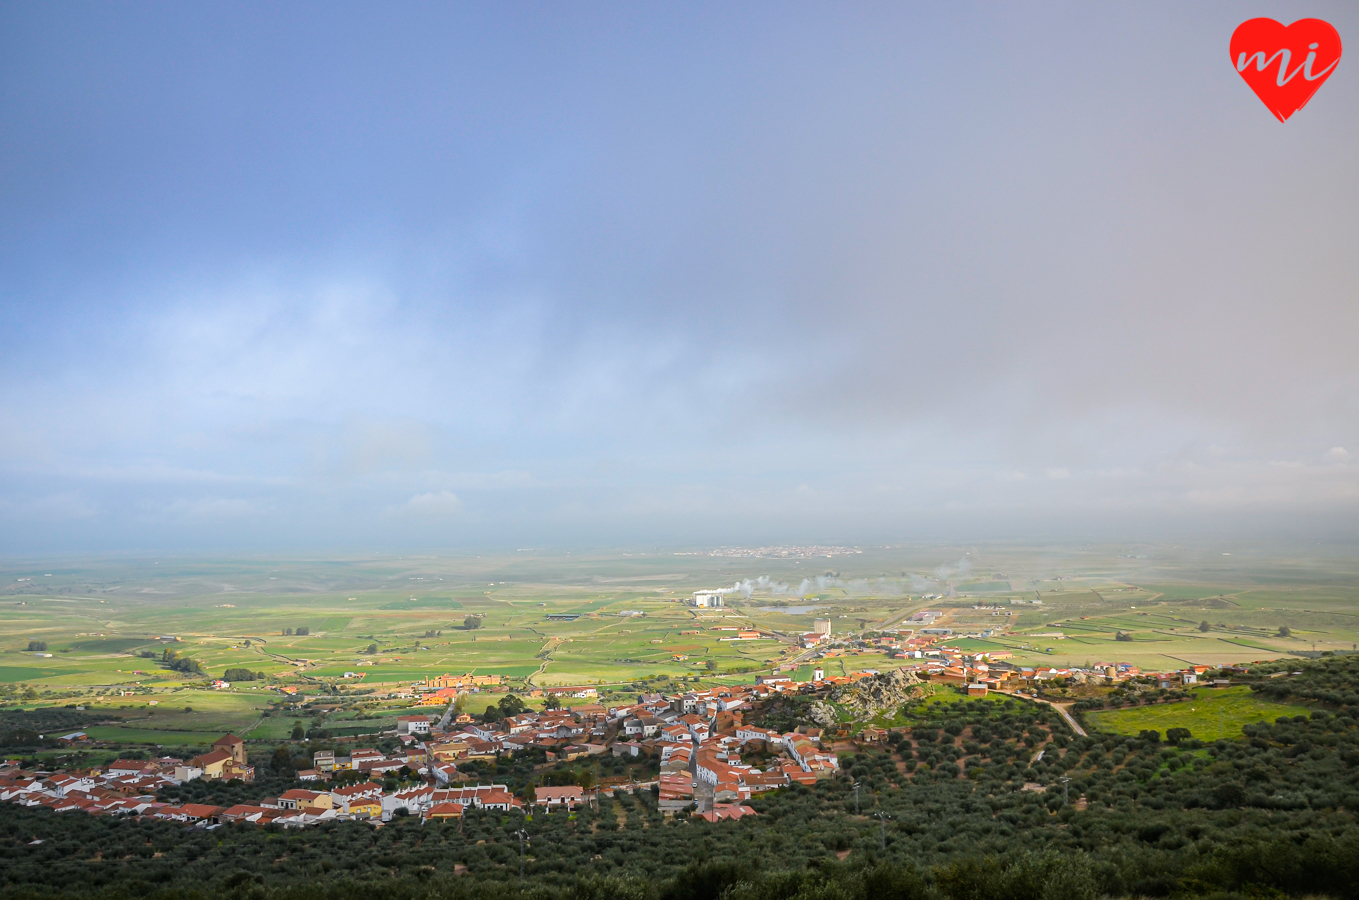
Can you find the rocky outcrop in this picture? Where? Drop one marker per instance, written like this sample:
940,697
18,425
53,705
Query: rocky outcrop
823,714
876,694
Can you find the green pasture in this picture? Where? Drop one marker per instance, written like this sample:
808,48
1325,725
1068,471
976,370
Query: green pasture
977,645
274,728
945,696
187,711
421,604
102,612
129,735
28,673
989,587
936,704
1253,645
1172,592
102,645
1212,713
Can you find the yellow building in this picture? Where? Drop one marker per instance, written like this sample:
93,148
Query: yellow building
233,745
450,750
365,808
213,764
305,801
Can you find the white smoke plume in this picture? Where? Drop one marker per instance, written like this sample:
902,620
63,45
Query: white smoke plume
746,588
961,569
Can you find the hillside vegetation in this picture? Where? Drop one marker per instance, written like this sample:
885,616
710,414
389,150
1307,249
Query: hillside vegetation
969,810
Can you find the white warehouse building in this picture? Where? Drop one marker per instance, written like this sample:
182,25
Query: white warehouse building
709,599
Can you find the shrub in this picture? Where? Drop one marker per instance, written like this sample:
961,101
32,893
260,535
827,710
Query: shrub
242,675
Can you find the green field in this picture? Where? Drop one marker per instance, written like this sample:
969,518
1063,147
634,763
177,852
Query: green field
151,736
274,728
27,673
397,621
1211,714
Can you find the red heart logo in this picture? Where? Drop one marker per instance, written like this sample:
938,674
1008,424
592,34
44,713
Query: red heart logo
1285,65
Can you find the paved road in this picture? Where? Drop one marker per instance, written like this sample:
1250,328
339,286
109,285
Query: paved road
448,714
1060,707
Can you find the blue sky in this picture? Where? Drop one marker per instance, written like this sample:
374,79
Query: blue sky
361,276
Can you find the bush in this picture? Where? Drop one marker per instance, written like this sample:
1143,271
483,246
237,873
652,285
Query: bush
176,663
705,881
242,675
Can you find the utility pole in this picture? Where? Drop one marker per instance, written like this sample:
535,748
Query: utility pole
523,836
882,819
1066,791
856,798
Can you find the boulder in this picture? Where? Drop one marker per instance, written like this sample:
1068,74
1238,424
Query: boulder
876,694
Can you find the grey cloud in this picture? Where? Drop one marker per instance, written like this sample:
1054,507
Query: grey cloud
727,274
209,509
435,504
51,508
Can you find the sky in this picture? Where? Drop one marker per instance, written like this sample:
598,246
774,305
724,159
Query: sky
372,276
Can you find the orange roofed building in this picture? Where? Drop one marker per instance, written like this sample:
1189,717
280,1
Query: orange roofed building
722,811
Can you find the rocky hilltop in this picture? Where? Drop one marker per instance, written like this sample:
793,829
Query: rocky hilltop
870,696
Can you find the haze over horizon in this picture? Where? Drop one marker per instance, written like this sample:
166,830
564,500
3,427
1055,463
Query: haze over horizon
320,276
